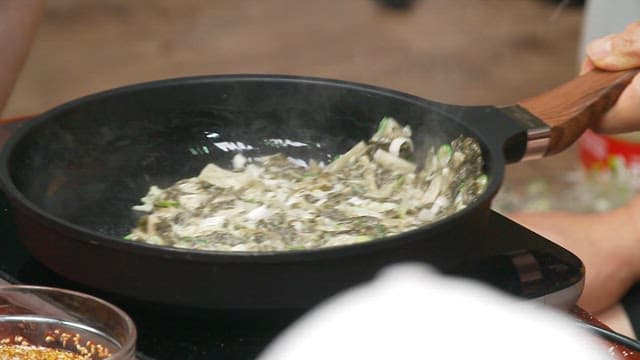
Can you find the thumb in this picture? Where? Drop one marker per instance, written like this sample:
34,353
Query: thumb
624,116
586,66
617,51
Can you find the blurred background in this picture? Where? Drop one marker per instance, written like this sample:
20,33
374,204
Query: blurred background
463,51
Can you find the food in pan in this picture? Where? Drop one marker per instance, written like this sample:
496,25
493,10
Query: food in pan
277,203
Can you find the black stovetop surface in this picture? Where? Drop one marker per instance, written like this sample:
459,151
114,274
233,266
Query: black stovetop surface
172,333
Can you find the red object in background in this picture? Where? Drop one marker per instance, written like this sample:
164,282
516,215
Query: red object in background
597,151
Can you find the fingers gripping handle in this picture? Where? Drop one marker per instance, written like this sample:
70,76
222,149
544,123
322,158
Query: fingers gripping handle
574,106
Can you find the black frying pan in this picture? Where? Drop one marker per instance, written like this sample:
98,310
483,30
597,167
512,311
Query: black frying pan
73,173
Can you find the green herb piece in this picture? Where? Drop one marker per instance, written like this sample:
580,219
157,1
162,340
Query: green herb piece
444,153
167,204
383,124
461,187
482,180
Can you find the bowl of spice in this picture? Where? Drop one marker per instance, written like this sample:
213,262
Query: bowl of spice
40,323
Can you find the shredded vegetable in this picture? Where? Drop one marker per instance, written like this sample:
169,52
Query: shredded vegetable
275,203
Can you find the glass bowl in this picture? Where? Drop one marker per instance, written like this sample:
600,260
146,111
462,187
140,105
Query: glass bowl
36,322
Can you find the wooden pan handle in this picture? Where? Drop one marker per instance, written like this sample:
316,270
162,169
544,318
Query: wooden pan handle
572,107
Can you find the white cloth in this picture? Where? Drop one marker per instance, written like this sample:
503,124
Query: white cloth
412,312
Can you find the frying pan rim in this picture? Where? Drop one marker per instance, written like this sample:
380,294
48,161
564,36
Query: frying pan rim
493,162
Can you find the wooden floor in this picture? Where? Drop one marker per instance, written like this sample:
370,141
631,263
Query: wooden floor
462,51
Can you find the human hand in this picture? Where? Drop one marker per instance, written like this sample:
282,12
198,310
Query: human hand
607,243
618,52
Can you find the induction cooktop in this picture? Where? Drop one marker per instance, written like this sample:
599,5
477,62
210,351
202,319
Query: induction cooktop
511,258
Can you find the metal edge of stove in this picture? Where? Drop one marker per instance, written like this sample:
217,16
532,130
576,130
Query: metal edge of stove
563,299
6,279
532,268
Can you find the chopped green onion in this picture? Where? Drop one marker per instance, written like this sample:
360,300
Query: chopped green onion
482,180
444,153
167,204
399,182
462,186
383,123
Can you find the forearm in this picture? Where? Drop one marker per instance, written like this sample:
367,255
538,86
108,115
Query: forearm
18,26
607,243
